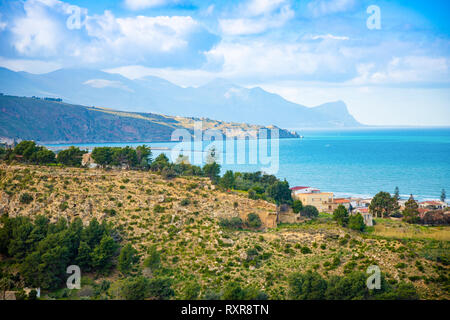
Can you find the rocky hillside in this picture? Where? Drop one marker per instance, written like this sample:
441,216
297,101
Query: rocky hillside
181,217
49,121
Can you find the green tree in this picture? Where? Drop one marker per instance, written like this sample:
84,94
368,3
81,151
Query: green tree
280,192
43,156
227,181
103,254
340,215
309,211
127,258
103,156
153,260
411,211
160,162
161,288
71,157
126,157
212,171
382,205
191,291
443,195
84,259
356,222
144,156
308,286
350,287
135,288
26,149
297,206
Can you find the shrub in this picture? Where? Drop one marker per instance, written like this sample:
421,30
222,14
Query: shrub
340,215
253,220
160,288
185,202
305,250
127,258
26,198
233,223
297,206
191,291
158,209
356,222
309,211
135,288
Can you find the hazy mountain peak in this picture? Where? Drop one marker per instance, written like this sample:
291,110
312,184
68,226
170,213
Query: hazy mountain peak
219,99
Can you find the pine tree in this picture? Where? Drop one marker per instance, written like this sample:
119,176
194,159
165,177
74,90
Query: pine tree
411,212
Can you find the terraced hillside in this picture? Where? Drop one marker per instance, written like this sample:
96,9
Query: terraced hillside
181,217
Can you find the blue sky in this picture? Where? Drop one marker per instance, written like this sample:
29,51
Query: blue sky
308,51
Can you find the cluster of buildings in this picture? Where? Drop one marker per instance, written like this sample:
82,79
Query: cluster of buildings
325,202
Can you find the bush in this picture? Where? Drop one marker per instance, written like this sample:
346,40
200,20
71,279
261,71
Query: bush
135,288
305,250
340,215
310,212
356,222
308,286
185,202
127,258
233,223
161,288
297,206
26,198
158,209
253,220
191,291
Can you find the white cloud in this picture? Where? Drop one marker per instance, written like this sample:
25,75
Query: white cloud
325,7
145,4
41,32
36,32
102,83
257,16
401,70
141,34
264,59
260,7
3,24
327,37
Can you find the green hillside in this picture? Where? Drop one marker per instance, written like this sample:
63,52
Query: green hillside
58,122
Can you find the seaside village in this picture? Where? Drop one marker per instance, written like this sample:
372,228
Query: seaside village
325,202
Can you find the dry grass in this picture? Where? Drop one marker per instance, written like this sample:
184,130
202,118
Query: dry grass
399,230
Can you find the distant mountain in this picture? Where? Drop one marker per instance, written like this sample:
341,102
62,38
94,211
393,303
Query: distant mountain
219,99
58,122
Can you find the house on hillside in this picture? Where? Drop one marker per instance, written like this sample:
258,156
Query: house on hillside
367,216
87,161
309,196
433,205
342,201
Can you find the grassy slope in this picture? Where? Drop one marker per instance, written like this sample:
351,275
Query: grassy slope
195,247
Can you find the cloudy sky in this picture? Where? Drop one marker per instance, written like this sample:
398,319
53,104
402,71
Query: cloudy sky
394,70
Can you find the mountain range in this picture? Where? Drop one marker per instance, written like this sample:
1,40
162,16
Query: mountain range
218,99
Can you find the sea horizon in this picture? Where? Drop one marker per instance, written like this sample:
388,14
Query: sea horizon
377,159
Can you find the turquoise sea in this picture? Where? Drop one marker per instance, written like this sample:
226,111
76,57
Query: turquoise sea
357,162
